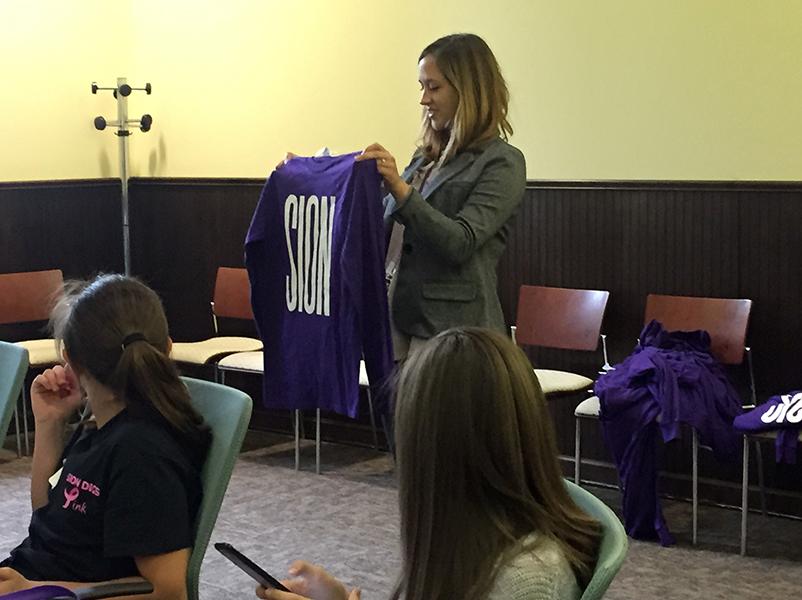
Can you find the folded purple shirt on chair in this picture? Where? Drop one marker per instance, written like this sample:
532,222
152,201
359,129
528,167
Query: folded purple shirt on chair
782,414
670,378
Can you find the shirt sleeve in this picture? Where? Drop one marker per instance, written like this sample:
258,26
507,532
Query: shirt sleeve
494,198
147,510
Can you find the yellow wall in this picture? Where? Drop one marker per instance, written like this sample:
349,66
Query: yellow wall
623,89
50,52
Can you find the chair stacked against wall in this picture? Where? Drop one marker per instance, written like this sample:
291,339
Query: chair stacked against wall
563,318
232,300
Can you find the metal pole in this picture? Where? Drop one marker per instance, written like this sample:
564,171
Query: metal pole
122,133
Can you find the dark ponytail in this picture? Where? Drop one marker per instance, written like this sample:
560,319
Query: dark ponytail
114,327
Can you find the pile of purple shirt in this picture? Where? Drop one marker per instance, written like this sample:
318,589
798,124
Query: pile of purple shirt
670,379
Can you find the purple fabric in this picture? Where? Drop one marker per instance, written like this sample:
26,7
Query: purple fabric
670,379
42,592
315,257
782,414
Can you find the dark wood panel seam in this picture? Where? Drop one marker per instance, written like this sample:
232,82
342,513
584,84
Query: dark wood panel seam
532,184
646,185
195,181
58,183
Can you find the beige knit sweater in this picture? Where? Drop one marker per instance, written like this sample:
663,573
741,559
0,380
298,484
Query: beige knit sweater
541,574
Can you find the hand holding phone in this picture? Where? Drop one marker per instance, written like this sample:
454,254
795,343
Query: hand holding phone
261,576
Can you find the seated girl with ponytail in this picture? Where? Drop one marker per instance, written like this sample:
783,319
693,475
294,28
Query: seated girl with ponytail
129,489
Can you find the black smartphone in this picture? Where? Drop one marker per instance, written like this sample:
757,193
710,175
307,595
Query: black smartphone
264,578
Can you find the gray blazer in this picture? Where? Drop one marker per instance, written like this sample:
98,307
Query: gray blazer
453,238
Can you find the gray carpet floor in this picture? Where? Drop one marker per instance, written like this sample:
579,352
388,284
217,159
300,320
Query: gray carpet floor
346,518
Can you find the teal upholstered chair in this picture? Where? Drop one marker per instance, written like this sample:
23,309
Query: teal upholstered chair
228,412
614,542
13,366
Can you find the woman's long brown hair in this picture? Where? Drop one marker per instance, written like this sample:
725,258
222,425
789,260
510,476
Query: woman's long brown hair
469,65
92,321
477,467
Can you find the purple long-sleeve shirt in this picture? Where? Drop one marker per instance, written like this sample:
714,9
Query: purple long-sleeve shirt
315,257
671,378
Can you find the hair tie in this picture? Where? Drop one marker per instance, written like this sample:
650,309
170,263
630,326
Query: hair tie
131,338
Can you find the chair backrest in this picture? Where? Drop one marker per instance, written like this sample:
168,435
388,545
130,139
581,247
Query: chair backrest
29,296
13,366
614,544
227,411
560,317
232,294
725,319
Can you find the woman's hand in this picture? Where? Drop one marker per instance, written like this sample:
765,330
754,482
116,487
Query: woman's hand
385,163
12,581
55,395
309,582
290,156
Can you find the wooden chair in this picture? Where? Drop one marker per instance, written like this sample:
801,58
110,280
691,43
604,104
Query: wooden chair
561,318
26,298
232,299
725,319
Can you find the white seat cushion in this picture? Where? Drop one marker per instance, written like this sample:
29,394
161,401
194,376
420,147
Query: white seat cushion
252,362
556,382
588,408
200,353
41,353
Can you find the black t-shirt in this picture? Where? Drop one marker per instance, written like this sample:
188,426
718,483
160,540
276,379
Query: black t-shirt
127,489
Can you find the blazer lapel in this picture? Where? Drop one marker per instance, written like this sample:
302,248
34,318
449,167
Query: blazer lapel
409,172
453,167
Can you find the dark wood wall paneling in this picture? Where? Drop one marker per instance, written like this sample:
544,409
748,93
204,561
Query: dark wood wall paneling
75,226
736,241
711,239
181,231
725,240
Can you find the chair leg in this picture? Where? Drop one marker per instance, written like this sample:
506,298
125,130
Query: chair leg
372,419
744,495
695,483
761,482
317,442
25,421
222,375
297,440
577,448
388,435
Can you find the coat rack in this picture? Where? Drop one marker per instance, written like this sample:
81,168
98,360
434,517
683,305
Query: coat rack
122,123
